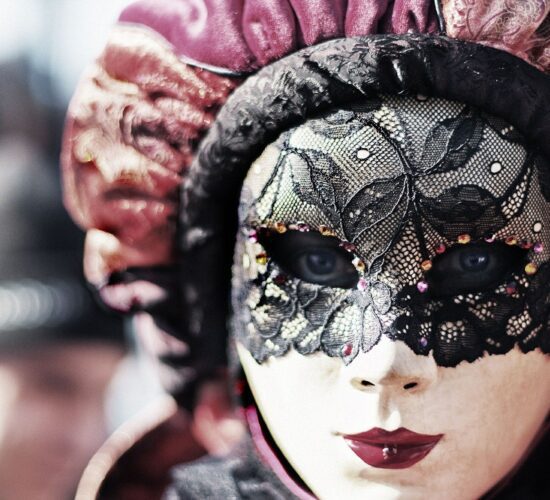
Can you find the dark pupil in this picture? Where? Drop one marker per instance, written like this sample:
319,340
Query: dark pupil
474,261
321,262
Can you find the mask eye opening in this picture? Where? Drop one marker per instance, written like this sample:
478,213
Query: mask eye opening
313,256
474,267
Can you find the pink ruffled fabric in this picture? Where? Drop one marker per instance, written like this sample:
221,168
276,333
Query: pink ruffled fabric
130,135
243,35
521,27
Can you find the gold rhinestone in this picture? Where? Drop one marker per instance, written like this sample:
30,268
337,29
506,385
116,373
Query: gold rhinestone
426,265
359,264
463,239
511,240
530,268
280,227
261,258
326,231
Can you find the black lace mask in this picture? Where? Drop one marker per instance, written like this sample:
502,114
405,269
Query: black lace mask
420,219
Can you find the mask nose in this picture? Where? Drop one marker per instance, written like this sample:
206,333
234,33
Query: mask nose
391,366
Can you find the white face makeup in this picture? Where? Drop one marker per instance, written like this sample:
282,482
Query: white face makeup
390,289
488,412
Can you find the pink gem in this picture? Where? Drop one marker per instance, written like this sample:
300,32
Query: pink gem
362,284
440,248
347,246
538,248
422,286
490,239
302,227
511,288
347,349
253,235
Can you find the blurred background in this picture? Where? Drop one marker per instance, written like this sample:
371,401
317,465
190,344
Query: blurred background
69,372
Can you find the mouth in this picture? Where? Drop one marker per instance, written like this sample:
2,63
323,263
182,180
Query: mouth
397,449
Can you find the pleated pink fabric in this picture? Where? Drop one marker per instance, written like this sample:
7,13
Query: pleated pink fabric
243,35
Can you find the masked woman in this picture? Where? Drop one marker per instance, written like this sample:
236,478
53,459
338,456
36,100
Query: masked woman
375,201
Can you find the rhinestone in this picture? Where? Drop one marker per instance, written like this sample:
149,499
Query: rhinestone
261,258
440,248
280,227
538,248
347,349
463,239
302,227
511,240
490,239
423,341
359,264
422,286
426,265
530,269
326,231
349,247
511,288
253,236
363,154
537,227
496,167
362,284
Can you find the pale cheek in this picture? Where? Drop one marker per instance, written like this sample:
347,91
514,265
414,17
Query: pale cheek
489,411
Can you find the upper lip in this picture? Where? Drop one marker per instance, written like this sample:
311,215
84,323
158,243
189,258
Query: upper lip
401,437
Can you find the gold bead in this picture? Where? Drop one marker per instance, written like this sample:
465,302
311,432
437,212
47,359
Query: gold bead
531,269
280,227
326,231
463,239
426,265
261,258
511,240
359,264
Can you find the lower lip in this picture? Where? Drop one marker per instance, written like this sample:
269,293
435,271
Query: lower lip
390,456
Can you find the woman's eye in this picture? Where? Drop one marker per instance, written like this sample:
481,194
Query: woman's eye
311,257
473,268
319,262
475,261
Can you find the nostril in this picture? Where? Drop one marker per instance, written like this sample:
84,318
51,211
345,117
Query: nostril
361,384
410,385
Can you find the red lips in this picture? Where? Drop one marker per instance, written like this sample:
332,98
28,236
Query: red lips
397,449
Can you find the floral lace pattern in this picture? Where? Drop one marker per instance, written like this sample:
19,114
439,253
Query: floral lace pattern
396,179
